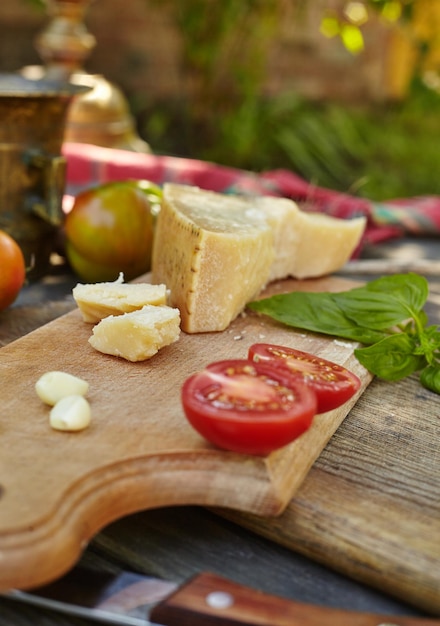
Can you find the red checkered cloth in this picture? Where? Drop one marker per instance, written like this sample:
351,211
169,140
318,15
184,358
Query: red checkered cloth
89,165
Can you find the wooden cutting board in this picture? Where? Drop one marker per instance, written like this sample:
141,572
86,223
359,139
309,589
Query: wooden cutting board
58,489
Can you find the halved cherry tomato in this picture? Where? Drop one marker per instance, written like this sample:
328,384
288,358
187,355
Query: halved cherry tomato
245,407
332,383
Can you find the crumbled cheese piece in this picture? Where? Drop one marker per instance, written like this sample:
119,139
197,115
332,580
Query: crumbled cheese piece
98,300
138,335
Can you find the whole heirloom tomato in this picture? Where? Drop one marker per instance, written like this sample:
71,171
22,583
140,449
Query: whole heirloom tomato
332,383
245,407
110,229
12,270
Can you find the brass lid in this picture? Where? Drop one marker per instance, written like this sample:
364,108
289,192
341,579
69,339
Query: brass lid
102,116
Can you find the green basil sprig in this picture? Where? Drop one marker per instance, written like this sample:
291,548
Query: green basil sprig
386,315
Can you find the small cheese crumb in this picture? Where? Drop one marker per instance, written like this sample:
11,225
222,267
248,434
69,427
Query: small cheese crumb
343,344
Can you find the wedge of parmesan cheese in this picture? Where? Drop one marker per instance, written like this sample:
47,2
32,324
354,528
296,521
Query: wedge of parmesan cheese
138,335
98,300
215,252
308,245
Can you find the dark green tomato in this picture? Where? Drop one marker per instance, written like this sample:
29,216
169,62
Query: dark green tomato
110,229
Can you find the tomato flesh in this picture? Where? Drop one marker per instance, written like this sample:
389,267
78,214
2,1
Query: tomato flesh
332,383
249,408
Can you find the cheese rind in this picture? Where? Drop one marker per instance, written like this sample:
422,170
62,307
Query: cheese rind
214,251
98,300
138,335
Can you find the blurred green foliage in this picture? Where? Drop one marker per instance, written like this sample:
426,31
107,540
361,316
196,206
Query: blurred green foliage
37,4
375,151
379,152
346,20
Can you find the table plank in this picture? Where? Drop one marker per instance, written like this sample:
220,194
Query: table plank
370,507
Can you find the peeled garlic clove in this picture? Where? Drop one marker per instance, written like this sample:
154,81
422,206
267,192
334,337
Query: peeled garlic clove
52,386
71,413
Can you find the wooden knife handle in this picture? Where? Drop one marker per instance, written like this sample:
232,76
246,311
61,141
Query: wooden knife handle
210,600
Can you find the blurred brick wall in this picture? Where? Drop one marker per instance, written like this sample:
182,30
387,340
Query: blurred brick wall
139,50
18,27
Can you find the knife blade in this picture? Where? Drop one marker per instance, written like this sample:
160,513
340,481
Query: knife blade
207,599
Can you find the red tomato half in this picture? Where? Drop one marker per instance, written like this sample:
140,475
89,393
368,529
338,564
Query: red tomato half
250,408
332,383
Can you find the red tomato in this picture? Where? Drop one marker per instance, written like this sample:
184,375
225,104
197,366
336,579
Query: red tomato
12,270
332,383
249,408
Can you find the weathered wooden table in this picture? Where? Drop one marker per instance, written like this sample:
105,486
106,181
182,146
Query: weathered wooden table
316,552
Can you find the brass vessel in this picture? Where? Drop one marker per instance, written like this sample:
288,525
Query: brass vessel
32,169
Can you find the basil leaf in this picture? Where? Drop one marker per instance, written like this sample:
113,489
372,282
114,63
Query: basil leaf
385,314
429,344
433,334
392,358
410,289
385,302
423,318
317,312
372,309
430,377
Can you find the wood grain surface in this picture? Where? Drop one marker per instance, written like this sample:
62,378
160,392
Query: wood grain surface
59,489
370,506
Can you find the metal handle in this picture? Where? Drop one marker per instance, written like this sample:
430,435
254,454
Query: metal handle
47,203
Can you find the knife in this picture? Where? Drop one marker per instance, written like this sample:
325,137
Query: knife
207,599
